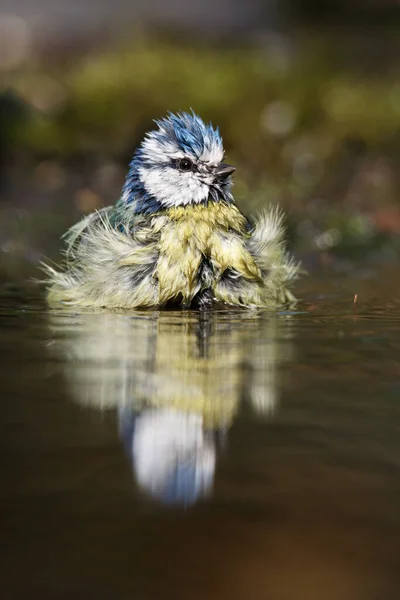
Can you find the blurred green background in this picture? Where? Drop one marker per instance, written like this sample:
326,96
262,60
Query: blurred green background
306,95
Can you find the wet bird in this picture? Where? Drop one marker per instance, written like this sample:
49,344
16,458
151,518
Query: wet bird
175,236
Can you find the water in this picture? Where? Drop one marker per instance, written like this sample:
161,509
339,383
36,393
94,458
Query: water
236,455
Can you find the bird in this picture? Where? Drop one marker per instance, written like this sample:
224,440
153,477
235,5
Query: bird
175,237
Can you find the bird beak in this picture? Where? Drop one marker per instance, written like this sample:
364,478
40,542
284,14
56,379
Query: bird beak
223,171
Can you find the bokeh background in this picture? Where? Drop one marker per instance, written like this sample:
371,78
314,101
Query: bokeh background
306,94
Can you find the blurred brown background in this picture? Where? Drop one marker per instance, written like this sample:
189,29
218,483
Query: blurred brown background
306,94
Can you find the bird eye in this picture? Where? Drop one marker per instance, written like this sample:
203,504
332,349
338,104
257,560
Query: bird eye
185,164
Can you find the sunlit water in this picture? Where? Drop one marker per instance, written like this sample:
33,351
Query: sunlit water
231,455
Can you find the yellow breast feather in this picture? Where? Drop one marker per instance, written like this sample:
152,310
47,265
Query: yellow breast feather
172,257
216,233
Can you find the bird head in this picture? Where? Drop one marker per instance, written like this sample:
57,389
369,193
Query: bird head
179,163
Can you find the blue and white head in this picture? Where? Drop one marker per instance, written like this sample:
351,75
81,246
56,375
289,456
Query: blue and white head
179,163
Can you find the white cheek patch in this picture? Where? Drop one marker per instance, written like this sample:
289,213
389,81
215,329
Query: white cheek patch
200,193
172,188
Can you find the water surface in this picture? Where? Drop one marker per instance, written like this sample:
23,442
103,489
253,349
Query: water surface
225,456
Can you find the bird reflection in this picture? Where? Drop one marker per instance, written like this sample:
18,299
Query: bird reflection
176,380
173,455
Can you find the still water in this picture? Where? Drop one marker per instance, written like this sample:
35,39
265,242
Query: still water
231,455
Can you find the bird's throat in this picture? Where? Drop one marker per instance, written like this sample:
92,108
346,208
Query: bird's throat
225,217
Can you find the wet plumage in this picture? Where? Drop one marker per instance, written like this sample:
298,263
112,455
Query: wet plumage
175,236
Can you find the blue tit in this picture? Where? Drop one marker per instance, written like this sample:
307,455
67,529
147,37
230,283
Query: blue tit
175,236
